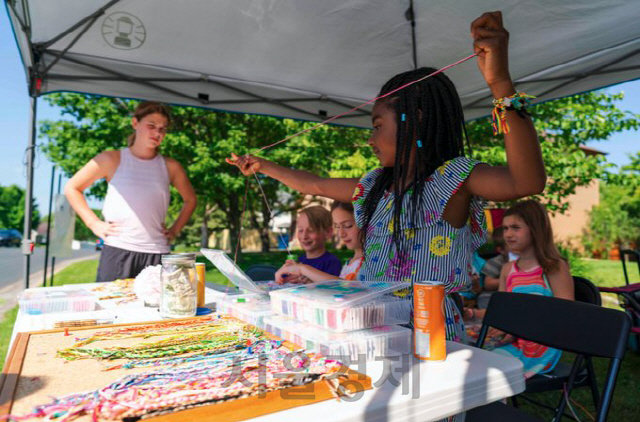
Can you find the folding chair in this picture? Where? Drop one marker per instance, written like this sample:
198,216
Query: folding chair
581,328
555,380
261,272
631,253
629,297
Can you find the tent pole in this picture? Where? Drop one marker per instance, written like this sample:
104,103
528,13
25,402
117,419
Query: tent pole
27,243
411,17
46,252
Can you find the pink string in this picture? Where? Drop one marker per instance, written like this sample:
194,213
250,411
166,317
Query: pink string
324,123
368,102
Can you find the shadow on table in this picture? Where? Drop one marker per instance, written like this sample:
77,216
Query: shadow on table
14,387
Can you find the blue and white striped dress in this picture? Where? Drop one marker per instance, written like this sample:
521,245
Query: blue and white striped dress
433,249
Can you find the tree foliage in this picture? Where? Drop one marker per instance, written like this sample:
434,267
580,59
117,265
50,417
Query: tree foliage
563,126
201,140
615,222
12,208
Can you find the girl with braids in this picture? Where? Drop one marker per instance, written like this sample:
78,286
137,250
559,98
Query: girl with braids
421,213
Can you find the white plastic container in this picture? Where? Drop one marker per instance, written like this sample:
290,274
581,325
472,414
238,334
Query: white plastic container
342,305
250,308
46,300
372,342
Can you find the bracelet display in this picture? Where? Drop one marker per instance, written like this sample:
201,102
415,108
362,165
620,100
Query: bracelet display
518,102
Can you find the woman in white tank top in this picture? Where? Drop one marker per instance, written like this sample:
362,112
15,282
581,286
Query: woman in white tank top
137,200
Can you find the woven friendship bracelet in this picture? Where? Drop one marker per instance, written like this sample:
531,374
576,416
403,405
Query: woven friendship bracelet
518,102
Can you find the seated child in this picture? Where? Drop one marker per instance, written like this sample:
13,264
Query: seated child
538,270
470,297
313,229
344,223
493,266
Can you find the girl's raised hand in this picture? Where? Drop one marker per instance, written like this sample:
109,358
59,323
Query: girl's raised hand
491,43
248,164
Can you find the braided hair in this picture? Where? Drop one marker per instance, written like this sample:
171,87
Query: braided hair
432,113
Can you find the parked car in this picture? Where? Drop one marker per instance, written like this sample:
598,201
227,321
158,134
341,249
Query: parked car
10,237
99,243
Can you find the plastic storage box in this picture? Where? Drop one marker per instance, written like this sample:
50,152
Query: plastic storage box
46,300
250,308
372,342
233,273
341,305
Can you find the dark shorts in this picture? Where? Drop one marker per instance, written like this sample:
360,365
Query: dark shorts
118,263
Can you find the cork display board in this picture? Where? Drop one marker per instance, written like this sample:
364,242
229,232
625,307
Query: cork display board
33,374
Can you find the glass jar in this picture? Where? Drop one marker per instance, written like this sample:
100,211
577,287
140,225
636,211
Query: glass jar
179,286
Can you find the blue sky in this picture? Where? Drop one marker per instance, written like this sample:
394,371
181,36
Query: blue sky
14,123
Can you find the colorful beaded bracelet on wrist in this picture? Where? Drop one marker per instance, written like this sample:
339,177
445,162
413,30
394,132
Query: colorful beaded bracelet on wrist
518,101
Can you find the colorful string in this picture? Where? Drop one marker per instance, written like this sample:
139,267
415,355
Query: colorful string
265,366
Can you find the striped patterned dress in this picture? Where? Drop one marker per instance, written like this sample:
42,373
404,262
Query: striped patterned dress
537,359
433,249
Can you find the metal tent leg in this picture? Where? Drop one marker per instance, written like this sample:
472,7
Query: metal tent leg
27,243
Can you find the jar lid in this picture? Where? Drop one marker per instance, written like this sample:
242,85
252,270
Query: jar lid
177,258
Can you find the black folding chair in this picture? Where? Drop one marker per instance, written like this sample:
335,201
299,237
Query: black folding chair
629,296
581,328
261,272
555,380
632,254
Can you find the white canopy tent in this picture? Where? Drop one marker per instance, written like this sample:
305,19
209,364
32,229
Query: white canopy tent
310,59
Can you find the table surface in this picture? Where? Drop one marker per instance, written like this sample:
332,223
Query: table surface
405,389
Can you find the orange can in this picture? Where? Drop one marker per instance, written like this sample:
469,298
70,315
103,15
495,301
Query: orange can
200,270
429,340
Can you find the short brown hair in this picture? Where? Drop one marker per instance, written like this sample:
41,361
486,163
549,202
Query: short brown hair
347,206
318,216
146,108
535,217
498,237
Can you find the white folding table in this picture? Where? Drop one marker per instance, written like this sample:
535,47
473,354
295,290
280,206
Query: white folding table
405,389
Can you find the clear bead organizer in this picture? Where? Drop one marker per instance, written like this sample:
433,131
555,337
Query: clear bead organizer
250,308
342,305
375,342
54,299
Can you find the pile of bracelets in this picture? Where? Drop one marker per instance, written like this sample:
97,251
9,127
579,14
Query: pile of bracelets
518,102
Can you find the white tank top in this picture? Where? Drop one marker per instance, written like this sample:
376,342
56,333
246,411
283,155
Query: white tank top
137,200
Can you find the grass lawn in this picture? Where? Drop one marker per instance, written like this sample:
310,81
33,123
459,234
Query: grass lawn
607,273
625,406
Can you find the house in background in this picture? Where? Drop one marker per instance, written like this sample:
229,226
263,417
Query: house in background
568,227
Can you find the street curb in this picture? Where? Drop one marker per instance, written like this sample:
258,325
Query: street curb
9,294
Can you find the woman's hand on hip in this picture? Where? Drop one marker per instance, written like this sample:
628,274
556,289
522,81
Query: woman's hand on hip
102,229
170,234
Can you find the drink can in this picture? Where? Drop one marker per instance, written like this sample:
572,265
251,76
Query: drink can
429,321
200,269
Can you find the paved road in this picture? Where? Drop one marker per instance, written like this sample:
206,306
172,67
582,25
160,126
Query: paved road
12,264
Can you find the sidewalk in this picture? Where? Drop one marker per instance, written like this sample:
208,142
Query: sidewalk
9,294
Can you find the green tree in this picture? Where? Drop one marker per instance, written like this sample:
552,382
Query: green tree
200,140
12,200
563,125
615,222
